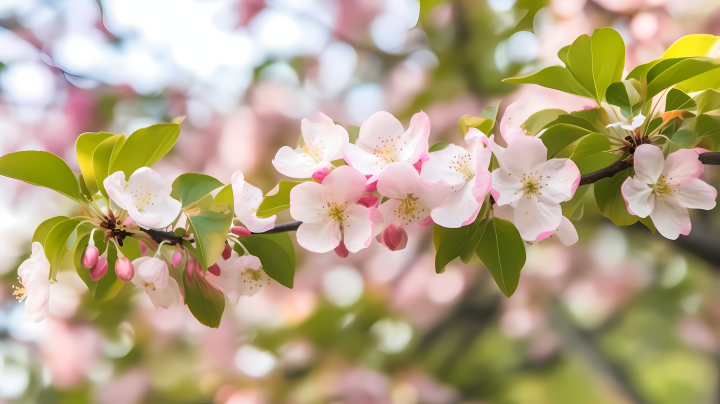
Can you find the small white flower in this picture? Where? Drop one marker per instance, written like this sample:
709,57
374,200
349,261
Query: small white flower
153,275
631,126
239,276
247,199
324,142
144,196
34,275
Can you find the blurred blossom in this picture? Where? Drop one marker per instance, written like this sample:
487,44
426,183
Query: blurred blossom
14,370
674,273
254,362
364,100
697,334
609,247
127,388
343,286
644,26
69,351
393,336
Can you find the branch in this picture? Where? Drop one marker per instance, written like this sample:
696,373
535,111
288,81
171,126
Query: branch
283,227
159,236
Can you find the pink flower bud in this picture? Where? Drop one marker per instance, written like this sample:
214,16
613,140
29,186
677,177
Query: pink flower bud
341,250
320,175
99,269
227,252
214,269
124,269
369,201
393,237
128,222
176,259
588,107
241,231
89,257
372,187
143,247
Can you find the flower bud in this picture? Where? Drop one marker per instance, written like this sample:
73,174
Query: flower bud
369,201
143,247
176,259
89,257
371,187
341,250
214,269
99,269
124,269
320,175
227,252
241,231
393,237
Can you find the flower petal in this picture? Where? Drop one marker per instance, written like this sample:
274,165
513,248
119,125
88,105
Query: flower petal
322,129
307,201
165,297
649,163
524,154
697,195
115,186
671,219
508,129
683,167
534,217
398,180
366,163
413,144
246,199
441,166
292,164
318,237
153,271
459,208
566,232
639,198
507,185
344,184
359,229
165,208
561,177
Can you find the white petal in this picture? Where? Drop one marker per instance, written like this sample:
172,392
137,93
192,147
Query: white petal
697,195
318,237
166,296
37,304
344,184
509,129
246,199
476,141
497,150
638,121
165,208
137,279
639,198
153,271
524,154
36,264
324,132
440,166
534,217
380,130
144,220
508,185
249,261
505,212
363,161
413,144
566,232
671,219
290,163
307,201
398,180
115,186
458,209
649,163
560,178
359,228
682,167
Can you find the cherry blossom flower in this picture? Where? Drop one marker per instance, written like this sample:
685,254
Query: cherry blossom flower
144,196
324,142
666,189
410,201
465,171
239,276
33,275
631,126
565,232
508,131
247,199
383,141
330,212
533,186
153,275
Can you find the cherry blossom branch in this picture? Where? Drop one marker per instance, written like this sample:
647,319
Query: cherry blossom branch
710,158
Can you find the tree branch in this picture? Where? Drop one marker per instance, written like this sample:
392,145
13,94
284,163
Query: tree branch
283,227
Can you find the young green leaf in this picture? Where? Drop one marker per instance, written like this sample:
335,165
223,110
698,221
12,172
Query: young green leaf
437,146
146,146
708,100
677,100
555,77
539,120
557,137
569,207
598,61
85,148
190,187
276,253
103,157
502,251
695,45
43,169
226,196
628,95
277,202
669,72
596,162
42,231
55,244
610,201
204,301
353,133
211,223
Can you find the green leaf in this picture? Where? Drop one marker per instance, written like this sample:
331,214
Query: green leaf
563,54
56,242
484,123
226,196
460,242
557,137
109,285
276,253
628,95
596,117
647,221
596,162
708,100
43,169
598,61
211,223
204,301
189,188
85,148
569,207
42,231
437,146
610,200
584,147
677,100
539,120
682,139
707,125
555,77
695,45
353,133
104,156
502,251
130,248
146,146
279,201
669,72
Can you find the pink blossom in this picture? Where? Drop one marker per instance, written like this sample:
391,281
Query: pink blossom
89,257
246,200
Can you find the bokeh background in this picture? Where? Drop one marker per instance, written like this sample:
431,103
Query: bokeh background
624,316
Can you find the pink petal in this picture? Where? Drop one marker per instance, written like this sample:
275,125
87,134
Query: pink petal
649,162
683,167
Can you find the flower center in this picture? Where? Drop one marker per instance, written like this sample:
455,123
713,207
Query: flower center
532,184
462,163
386,152
143,196
314,150
408,210
21,292
336,212
253,277
149,284
662,189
